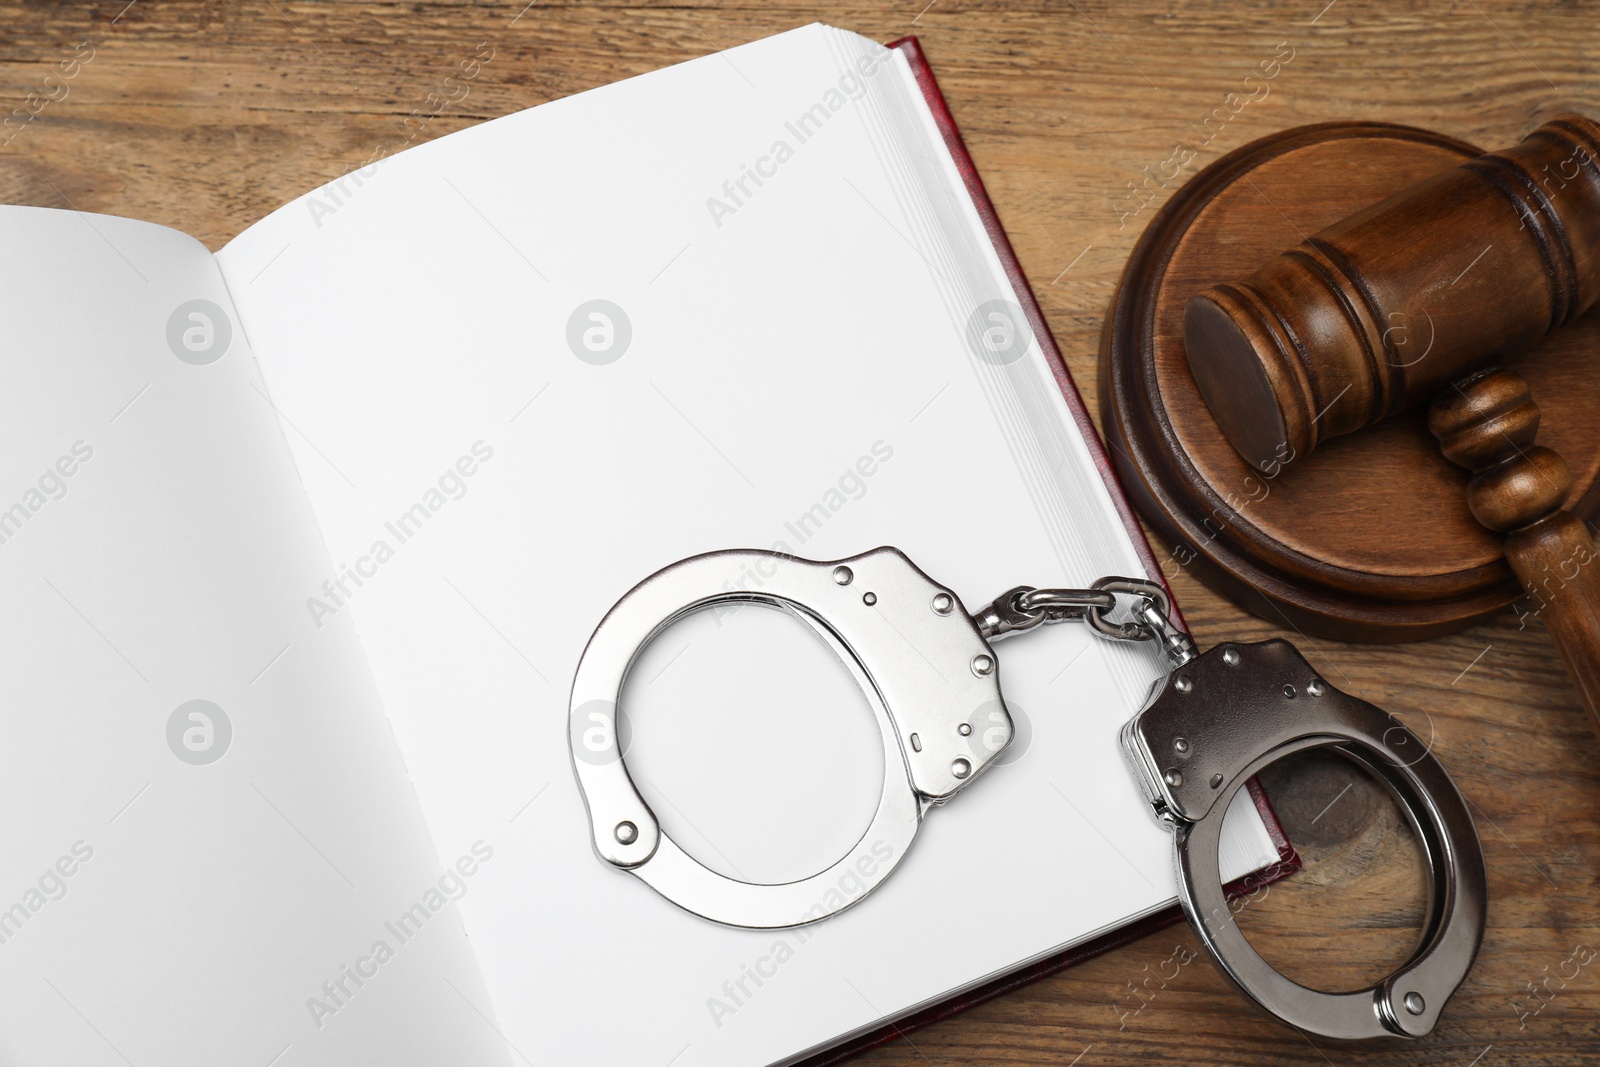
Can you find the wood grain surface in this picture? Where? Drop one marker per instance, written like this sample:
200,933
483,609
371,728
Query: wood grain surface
205,116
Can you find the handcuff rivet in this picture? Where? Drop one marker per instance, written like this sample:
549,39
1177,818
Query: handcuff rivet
1315,687
1173,778
982,665
960,768
869,599
1183,684
1289,691
1216,781
1181,744
627,833
943,604
965,729
1230,656
1415,1004
843,575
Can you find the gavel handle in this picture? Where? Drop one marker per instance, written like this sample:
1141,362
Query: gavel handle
1555,559
1487,423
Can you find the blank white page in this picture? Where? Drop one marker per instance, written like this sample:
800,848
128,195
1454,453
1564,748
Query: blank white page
206,817
797,374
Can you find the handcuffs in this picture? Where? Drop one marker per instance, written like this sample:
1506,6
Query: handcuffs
929,671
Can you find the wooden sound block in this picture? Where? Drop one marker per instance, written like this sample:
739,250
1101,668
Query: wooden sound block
1368,538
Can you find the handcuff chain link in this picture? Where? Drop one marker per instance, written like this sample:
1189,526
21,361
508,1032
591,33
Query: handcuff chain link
1026,607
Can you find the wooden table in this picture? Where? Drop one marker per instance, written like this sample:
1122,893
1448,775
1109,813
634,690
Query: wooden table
205,116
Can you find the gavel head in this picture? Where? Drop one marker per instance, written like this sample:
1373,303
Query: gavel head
1380,311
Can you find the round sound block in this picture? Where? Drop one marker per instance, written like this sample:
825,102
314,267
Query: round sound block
1368,538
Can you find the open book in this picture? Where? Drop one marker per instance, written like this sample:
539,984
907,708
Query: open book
300,544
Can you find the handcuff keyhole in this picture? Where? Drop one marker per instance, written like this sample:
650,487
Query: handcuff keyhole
1289,691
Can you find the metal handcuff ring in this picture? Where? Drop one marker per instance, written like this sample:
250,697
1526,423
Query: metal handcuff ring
929,671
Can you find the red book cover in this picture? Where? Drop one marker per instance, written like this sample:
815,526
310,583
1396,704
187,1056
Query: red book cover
1288,860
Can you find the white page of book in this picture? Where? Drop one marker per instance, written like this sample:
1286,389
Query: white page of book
206,816
791,370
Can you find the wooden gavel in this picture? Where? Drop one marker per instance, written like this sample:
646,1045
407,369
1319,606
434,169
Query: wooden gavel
1416,299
